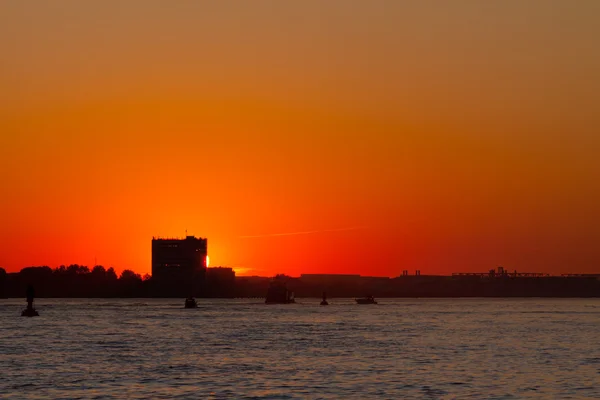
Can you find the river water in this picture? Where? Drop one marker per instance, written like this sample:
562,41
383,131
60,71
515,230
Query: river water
243,349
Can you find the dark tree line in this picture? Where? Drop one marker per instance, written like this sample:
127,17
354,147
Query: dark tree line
73,281
78,281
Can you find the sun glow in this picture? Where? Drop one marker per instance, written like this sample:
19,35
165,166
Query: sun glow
345,160
242,271
207,261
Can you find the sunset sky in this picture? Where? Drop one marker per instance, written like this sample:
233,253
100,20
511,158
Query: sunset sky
440,135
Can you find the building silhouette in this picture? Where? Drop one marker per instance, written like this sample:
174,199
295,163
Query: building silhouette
220,282
179,265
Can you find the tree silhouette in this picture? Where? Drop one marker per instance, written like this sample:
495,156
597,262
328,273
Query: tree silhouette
129,275
99,271
111,275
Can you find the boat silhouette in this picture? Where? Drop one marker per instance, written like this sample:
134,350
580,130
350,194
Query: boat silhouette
366,300
190,302
278,293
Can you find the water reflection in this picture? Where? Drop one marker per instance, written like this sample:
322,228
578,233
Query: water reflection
140,348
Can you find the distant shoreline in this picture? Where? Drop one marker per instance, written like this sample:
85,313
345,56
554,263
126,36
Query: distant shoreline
329,297
79,282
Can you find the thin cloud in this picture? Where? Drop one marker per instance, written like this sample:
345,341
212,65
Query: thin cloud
304,232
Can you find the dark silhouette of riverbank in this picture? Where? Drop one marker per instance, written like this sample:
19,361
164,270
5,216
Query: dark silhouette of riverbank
81,282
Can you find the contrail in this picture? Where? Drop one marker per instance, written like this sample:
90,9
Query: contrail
304,232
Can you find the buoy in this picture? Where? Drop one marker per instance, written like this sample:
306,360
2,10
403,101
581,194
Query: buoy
324,302
30,311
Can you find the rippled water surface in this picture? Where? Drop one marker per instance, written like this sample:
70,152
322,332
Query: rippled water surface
399,349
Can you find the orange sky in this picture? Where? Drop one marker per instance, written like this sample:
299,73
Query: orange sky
451,136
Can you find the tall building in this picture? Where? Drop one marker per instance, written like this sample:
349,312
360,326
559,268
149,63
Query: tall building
177,259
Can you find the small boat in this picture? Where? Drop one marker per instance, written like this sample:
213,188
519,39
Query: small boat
279,294
324,302
366,300
190,302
